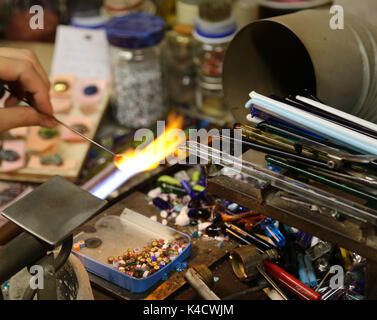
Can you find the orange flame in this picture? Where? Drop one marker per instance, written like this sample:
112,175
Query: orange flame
162,147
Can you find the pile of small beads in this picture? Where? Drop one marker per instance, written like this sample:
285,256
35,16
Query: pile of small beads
141,263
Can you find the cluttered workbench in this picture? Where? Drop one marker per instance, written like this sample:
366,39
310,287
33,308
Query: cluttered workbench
206,252
266,191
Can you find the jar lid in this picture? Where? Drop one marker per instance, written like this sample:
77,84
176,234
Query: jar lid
135,31
95,22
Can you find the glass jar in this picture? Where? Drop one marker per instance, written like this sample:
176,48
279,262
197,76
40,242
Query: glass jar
166,9
179,66
18,25
212,40
135,56
119,8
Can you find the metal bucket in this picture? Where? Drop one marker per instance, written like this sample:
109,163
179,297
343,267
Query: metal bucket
286,54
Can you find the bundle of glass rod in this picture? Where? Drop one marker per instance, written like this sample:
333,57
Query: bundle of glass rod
355,137
315,142
283,182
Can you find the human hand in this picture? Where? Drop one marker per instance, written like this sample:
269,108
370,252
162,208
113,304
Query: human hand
25,77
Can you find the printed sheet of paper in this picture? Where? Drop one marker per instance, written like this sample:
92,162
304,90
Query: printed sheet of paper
82,52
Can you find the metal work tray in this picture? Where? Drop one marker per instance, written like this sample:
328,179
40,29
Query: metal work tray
129,230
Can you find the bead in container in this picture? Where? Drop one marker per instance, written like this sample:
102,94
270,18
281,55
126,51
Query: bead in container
145,261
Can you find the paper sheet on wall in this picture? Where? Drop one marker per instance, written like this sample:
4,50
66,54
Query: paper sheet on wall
82,52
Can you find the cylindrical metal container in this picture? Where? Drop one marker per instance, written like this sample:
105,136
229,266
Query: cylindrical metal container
244,262
286,54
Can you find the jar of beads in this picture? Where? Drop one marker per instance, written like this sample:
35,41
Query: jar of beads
135,56
215,27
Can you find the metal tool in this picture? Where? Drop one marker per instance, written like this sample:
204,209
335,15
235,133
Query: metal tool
54,210
335,155
271,282
289,282
349,177
282,163
324,148
308,148
245,260
248,238
200,278
63,124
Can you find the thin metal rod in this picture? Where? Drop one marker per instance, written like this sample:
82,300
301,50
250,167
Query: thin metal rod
63,124
323,280
83,136
274,151
271,282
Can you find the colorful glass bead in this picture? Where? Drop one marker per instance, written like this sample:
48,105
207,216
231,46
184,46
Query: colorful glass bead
90,90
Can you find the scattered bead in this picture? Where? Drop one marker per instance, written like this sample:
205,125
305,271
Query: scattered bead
90,90
183,218
195,234
9,155
61,86
154,193
161,204
46,133
51,159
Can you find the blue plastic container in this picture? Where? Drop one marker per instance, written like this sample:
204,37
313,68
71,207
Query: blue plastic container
130,230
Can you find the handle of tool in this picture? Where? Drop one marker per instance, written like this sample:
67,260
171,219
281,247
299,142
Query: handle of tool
8,231
290,282
22,251
199,285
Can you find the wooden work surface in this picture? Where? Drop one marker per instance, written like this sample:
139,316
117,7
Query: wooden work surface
68,151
